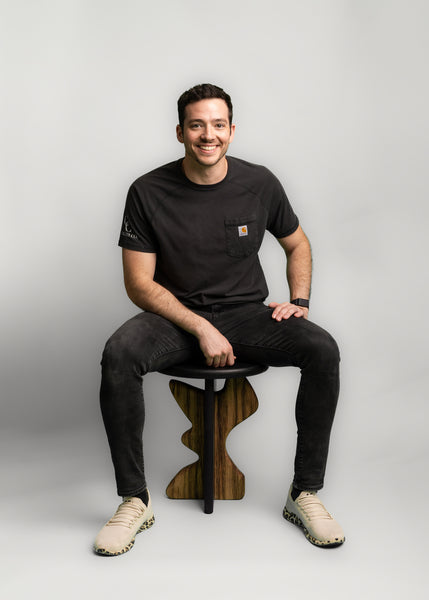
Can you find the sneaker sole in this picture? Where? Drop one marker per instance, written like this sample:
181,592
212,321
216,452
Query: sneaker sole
128,547
292,518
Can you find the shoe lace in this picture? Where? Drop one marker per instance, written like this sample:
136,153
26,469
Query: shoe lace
126,514
310,504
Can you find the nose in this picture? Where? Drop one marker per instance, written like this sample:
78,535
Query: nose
208,133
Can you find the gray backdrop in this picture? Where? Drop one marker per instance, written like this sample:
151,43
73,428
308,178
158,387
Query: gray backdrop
333,97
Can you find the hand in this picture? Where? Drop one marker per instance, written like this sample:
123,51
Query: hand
217,350
286,310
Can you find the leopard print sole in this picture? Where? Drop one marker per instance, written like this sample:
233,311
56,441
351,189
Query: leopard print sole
128,547
292,518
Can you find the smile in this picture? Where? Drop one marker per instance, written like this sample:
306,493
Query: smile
207,148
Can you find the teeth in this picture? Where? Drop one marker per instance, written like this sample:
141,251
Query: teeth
207,147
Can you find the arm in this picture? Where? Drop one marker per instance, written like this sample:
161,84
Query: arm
298,273
139,270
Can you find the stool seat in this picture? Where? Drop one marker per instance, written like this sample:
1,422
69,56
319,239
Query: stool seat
202,371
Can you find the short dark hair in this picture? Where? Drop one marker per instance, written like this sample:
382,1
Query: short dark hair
201,92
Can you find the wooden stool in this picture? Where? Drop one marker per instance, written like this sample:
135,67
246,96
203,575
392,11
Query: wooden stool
213,415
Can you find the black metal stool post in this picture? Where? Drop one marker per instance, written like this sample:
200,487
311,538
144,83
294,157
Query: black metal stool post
208,464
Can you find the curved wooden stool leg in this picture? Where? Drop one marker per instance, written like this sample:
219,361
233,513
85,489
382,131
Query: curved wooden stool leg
234,403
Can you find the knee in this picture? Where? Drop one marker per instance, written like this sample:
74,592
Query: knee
322,352
329,351
117,353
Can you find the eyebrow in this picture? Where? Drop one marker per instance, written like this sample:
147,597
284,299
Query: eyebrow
202,120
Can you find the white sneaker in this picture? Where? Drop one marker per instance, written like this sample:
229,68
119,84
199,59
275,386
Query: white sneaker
308,512
118,535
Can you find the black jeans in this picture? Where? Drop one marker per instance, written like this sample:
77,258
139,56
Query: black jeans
148,342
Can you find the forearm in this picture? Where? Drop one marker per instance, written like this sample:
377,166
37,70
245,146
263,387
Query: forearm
150,296
298,270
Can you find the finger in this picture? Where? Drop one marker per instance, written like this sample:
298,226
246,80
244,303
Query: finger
227,358
275,313
216,361
231,359
286,311
273,304
279,310
282,313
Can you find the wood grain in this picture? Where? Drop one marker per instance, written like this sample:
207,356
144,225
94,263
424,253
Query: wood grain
232,405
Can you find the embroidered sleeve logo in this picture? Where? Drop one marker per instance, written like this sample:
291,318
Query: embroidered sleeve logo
127,231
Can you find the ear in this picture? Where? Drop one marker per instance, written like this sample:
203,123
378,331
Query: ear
179,133
232,133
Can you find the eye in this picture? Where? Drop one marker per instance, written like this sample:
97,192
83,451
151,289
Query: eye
220,125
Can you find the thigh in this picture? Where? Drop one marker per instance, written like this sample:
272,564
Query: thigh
257,337
151,342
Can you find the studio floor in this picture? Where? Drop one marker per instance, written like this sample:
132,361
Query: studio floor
57,494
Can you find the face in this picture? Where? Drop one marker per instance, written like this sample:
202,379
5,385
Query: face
206,132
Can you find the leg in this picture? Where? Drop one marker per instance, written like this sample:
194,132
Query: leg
298,342
208,446
256,337
145,343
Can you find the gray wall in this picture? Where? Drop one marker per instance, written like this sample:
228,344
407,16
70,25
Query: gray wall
332,96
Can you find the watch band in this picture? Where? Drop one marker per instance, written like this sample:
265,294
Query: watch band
301,302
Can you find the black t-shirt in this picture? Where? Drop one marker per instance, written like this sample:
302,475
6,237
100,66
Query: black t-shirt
207,237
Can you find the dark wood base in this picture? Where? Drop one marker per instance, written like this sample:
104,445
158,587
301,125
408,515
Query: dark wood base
227,408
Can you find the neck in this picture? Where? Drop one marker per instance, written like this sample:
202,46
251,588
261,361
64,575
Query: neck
203,175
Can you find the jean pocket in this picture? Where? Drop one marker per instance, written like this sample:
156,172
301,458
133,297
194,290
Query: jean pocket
241,236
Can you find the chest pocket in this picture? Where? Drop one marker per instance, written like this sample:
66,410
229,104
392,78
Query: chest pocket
241,236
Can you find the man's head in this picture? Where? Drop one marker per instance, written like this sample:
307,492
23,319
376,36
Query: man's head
202,92
206,132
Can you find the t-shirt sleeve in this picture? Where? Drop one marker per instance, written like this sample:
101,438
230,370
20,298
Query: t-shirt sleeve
136,230
282,221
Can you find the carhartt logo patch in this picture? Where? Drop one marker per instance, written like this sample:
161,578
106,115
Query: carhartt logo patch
242,230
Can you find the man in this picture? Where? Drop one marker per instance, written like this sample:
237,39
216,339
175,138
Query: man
190,238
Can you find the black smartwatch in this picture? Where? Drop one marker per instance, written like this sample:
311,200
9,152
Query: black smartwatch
301,302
